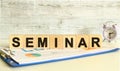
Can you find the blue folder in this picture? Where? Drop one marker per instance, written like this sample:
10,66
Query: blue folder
13,63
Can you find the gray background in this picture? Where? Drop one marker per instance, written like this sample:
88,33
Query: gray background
56,17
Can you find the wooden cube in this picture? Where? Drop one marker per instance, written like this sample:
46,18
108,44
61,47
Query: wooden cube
42,41
56,41
69,41
82,41
30,41
95,41
16,41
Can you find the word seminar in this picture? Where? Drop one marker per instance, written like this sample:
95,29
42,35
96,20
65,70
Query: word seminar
55,41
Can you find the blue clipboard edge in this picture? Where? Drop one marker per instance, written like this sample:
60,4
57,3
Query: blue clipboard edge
12,63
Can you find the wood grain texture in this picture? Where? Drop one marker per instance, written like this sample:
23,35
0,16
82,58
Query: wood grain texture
56,17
